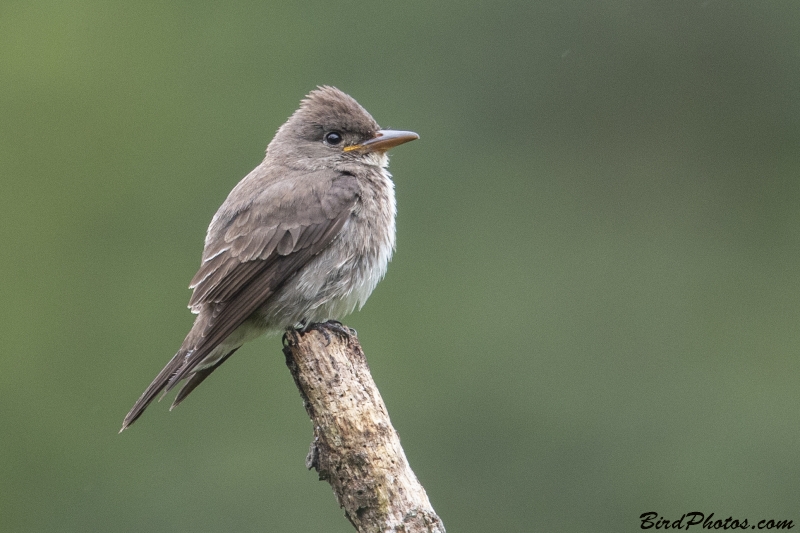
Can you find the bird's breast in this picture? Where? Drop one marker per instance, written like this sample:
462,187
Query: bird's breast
369,235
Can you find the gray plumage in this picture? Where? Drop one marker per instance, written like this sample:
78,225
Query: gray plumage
303,238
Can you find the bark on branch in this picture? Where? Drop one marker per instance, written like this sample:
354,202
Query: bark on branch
355,447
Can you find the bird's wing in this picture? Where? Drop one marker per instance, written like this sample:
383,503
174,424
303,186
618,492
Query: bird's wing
252,248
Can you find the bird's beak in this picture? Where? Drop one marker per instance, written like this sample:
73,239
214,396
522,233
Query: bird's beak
383,140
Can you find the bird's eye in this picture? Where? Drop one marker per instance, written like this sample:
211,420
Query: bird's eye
333,138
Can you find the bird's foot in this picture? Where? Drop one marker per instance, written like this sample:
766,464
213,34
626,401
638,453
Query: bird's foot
340,329
331,326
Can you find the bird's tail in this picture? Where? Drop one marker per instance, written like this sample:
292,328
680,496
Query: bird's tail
196,378
159,383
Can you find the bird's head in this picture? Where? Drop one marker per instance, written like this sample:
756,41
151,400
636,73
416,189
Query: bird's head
330,128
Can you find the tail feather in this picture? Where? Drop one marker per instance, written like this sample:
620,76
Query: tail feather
158,384
166,379
197,378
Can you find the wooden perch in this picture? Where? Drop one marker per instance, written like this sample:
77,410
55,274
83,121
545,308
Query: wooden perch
355,447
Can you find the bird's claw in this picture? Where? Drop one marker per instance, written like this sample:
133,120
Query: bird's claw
332,326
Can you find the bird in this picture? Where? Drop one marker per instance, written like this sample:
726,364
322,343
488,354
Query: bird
303,238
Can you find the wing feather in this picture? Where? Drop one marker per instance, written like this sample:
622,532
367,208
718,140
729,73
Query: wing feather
252,248
229,315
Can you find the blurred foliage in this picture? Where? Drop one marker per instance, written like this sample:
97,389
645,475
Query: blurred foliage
592,312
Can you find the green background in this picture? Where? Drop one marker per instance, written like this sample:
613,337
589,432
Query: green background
592,312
